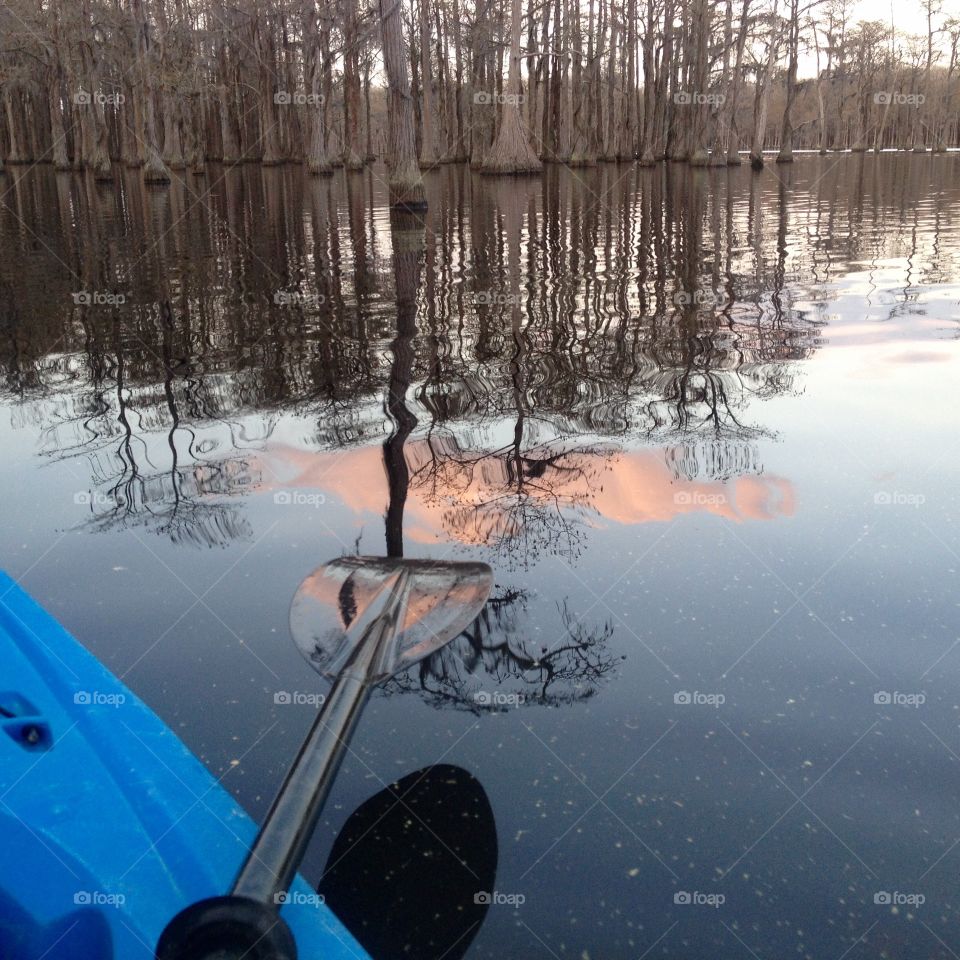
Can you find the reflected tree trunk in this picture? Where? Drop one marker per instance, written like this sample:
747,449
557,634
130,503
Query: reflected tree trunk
407,233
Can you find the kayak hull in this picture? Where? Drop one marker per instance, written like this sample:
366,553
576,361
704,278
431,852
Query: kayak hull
109,826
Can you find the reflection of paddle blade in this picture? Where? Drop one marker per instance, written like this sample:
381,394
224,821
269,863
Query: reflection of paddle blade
406,869
335,603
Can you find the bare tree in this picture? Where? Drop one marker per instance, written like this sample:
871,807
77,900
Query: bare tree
405,179
793,54
764,83
511,151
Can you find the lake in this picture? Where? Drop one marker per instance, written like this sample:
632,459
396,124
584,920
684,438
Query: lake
700,424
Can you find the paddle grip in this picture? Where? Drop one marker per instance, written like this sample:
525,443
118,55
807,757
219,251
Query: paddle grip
227,928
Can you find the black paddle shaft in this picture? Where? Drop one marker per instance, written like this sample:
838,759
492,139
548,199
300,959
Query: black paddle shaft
275,856
246,924
282,841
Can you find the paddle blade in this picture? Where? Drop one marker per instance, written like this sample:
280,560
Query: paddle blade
340,601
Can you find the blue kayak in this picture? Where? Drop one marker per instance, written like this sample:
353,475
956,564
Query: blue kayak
108,825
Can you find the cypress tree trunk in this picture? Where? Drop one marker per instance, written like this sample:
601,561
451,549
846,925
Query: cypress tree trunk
327,87
12,105
367,121
352,151
663,75
511,151
610,125
786,131
544,82
763,96
579,94
733,95
58,132
481,112
194,130
718,155
558,135
428,149
460,150
699,156
628,149
269,121
919,145
405,180
59,97
172,144
821,109
648,137
318,162
154,169
446,102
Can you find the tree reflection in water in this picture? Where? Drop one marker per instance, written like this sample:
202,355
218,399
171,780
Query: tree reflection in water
496,654
495,645
523,358
552,354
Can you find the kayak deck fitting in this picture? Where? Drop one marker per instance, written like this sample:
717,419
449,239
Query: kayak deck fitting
108,824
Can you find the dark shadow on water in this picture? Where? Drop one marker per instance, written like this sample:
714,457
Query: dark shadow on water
413,869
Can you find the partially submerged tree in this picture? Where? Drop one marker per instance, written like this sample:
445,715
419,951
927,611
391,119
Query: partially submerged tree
316,43
405,179
793,53
764,83
511,151
154,169
166,85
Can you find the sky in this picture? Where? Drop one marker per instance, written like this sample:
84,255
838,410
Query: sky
909,16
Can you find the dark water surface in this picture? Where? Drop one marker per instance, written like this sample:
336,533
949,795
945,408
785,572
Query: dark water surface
702,424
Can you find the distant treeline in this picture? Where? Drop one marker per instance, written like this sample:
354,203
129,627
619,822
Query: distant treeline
172,84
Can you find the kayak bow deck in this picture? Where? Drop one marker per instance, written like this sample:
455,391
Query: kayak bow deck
108,825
